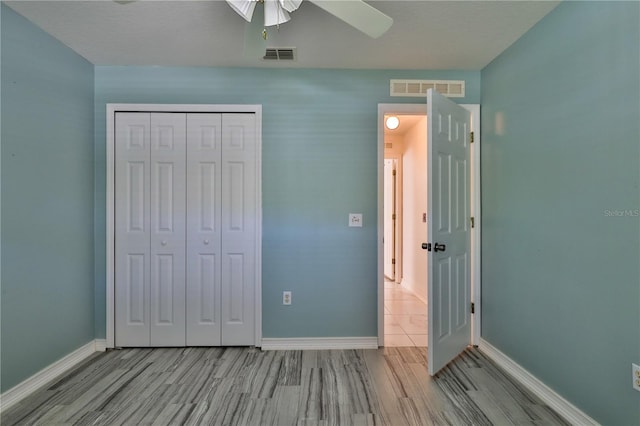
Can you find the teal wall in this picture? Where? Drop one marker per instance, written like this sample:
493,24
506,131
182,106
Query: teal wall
47,200
319,164
560,155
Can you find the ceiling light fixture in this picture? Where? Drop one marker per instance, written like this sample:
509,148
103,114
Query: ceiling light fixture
392,122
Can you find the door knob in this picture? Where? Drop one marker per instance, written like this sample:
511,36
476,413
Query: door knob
426,246
164,242
206,242
439,247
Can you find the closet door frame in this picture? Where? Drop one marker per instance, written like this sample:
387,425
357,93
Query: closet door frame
112,109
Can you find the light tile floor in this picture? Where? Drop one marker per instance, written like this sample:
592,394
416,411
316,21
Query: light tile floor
405,317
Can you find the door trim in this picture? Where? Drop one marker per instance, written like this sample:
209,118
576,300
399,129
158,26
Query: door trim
475,211
110,200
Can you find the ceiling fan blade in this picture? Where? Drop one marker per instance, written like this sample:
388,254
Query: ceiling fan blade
243,8
358,14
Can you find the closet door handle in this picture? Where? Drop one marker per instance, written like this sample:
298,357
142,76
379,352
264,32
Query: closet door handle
206,242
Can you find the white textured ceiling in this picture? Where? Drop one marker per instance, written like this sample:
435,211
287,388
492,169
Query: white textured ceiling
425,34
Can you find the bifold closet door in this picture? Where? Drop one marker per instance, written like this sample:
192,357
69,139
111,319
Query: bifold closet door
150,229
186,209
239,212
221,201
204,155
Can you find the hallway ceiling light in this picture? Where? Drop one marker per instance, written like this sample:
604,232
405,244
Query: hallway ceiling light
392,122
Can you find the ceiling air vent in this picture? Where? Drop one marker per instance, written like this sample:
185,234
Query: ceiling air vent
418,88
280,54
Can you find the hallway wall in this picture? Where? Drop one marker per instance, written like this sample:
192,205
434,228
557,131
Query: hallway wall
414,189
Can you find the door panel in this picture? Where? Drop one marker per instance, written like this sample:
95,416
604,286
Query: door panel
204,154
132,260
235,303
448,198
135,289
168,232
238,228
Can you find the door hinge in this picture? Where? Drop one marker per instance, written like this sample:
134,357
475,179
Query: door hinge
393,261
393,216
473,222
473,308
394,173
471,137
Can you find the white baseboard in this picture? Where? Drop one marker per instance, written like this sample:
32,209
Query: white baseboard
568,411
42,377
101,345
319,343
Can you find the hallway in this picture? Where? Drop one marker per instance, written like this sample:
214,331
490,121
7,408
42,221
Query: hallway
405,317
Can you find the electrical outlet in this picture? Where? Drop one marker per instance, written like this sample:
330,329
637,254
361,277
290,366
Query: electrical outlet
286,297
635,369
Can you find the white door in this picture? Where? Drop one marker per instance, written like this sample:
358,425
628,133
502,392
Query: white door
204,156
168,214
389,219
238,228
132,229
448,230
150,229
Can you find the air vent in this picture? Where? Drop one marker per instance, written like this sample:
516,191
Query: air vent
418,88
280,54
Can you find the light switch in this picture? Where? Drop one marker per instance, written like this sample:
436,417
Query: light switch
355,219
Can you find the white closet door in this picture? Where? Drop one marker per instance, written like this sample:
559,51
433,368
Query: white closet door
238,228
132,227
204,153
168,229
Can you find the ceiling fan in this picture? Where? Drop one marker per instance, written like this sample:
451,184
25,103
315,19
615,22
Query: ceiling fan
356,13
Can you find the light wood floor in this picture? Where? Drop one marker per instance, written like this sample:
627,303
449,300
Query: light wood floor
245,386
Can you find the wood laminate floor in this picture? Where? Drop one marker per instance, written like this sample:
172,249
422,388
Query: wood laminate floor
245,386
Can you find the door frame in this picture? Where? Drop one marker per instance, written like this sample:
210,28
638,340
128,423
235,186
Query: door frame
475,211
112,108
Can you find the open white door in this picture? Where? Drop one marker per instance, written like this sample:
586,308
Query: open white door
448,159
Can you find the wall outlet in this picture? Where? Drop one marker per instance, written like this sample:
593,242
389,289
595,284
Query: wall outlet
286,297
635,371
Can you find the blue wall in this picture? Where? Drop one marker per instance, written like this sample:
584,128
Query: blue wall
47,200
319,164
560,200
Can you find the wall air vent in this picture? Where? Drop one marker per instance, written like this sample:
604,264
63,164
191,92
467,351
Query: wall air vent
418,88
280,54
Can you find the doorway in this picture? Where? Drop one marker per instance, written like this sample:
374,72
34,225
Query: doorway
474,173
405,286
